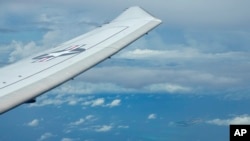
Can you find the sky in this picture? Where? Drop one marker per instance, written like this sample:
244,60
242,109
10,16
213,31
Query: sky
186,80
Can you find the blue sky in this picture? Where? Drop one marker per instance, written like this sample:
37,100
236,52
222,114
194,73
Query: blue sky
187,80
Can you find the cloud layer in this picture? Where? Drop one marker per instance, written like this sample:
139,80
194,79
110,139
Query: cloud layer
200,46
242,119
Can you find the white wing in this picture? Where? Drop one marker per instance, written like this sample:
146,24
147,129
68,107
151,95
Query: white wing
29,78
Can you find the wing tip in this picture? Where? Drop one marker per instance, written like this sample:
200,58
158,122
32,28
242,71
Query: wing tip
136,12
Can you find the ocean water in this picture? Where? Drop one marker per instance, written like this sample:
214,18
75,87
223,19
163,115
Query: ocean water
123,117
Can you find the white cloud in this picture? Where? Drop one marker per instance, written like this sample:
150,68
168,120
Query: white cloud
123,127
67,139
242,119
181,52
84,87
115,103
33,123
170,88
44,18
78,122
21,50
48,101
57,99
72,102
98,102
104,128
45,136
191,13
141,53
152,116
172,79
89,117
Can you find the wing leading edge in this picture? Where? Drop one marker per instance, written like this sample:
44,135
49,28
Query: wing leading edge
31,77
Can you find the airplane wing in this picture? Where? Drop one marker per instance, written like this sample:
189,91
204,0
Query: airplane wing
23,81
